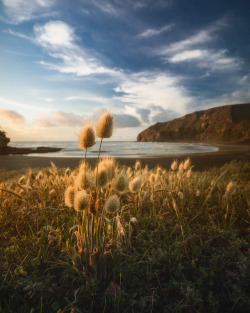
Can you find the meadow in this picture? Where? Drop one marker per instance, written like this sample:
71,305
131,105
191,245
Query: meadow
125,239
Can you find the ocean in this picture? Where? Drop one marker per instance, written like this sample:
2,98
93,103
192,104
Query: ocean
129,149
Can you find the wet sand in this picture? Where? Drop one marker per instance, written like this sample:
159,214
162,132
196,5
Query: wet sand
201,161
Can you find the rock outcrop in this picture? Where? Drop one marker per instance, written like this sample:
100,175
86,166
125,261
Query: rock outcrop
225,124
4,140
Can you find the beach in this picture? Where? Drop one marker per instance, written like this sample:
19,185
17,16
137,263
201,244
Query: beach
201,161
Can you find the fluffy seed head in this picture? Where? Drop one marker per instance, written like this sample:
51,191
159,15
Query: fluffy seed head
137,165
135,184
112,204
102,176
159,171
152,178
189,172
180,195
174,166
104,126
121,183
109,164
197,193
181,167
133,220
52,193
230,187
69,196
83,181
39,176
81,201
187,164
87,137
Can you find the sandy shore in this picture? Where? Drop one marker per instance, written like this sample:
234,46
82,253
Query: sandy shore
201,161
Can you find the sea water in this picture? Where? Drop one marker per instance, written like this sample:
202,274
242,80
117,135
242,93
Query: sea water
127,149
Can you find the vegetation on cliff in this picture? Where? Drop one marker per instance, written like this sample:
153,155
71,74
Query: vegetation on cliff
225,124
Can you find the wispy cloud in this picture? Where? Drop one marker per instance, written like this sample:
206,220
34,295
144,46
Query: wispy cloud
8,102
12,116
60,41
214,60
61,118
19,11
155,32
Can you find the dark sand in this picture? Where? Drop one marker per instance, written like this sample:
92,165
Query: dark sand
201,161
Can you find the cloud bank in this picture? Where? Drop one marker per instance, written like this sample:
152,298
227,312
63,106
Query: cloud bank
12,116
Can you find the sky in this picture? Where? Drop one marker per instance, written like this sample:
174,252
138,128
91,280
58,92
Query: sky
65,62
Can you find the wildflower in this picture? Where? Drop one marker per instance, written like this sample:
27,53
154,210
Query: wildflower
87,137
69,196
135,184
81,201
137,165
112,204
104,126
174,165
121,183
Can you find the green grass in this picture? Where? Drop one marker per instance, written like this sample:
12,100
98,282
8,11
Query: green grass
188,252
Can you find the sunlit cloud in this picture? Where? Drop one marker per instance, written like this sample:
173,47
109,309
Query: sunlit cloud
12,116
60,42
19,11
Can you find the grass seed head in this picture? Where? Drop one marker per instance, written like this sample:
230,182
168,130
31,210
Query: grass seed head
159,172
121,183
174,165
112,204
81,201
69,196
21,179
137,165
109,164
102,176
187,164
87,137
230,187
104,127
135,184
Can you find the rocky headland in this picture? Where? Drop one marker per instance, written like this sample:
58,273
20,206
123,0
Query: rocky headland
6,150
225,124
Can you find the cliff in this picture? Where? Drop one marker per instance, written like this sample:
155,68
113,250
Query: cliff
225,124
4,140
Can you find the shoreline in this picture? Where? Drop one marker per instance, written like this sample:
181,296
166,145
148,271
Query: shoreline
201,161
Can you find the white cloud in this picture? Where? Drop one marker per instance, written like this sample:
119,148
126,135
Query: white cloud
55,35
186,55
19,11
146,89
59,40
154,32
12,116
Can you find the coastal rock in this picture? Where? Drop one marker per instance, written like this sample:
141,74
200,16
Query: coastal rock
225,124
13,150
4,140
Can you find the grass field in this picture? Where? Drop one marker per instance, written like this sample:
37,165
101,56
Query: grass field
171,240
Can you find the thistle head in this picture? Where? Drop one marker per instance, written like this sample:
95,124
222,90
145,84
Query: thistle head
87,137
69,196
121,183
135,184
104,126
81,200
112,204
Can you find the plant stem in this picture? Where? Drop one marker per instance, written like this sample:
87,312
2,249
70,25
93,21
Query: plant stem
96,182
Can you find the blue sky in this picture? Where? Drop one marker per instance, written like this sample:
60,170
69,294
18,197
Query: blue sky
64,62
